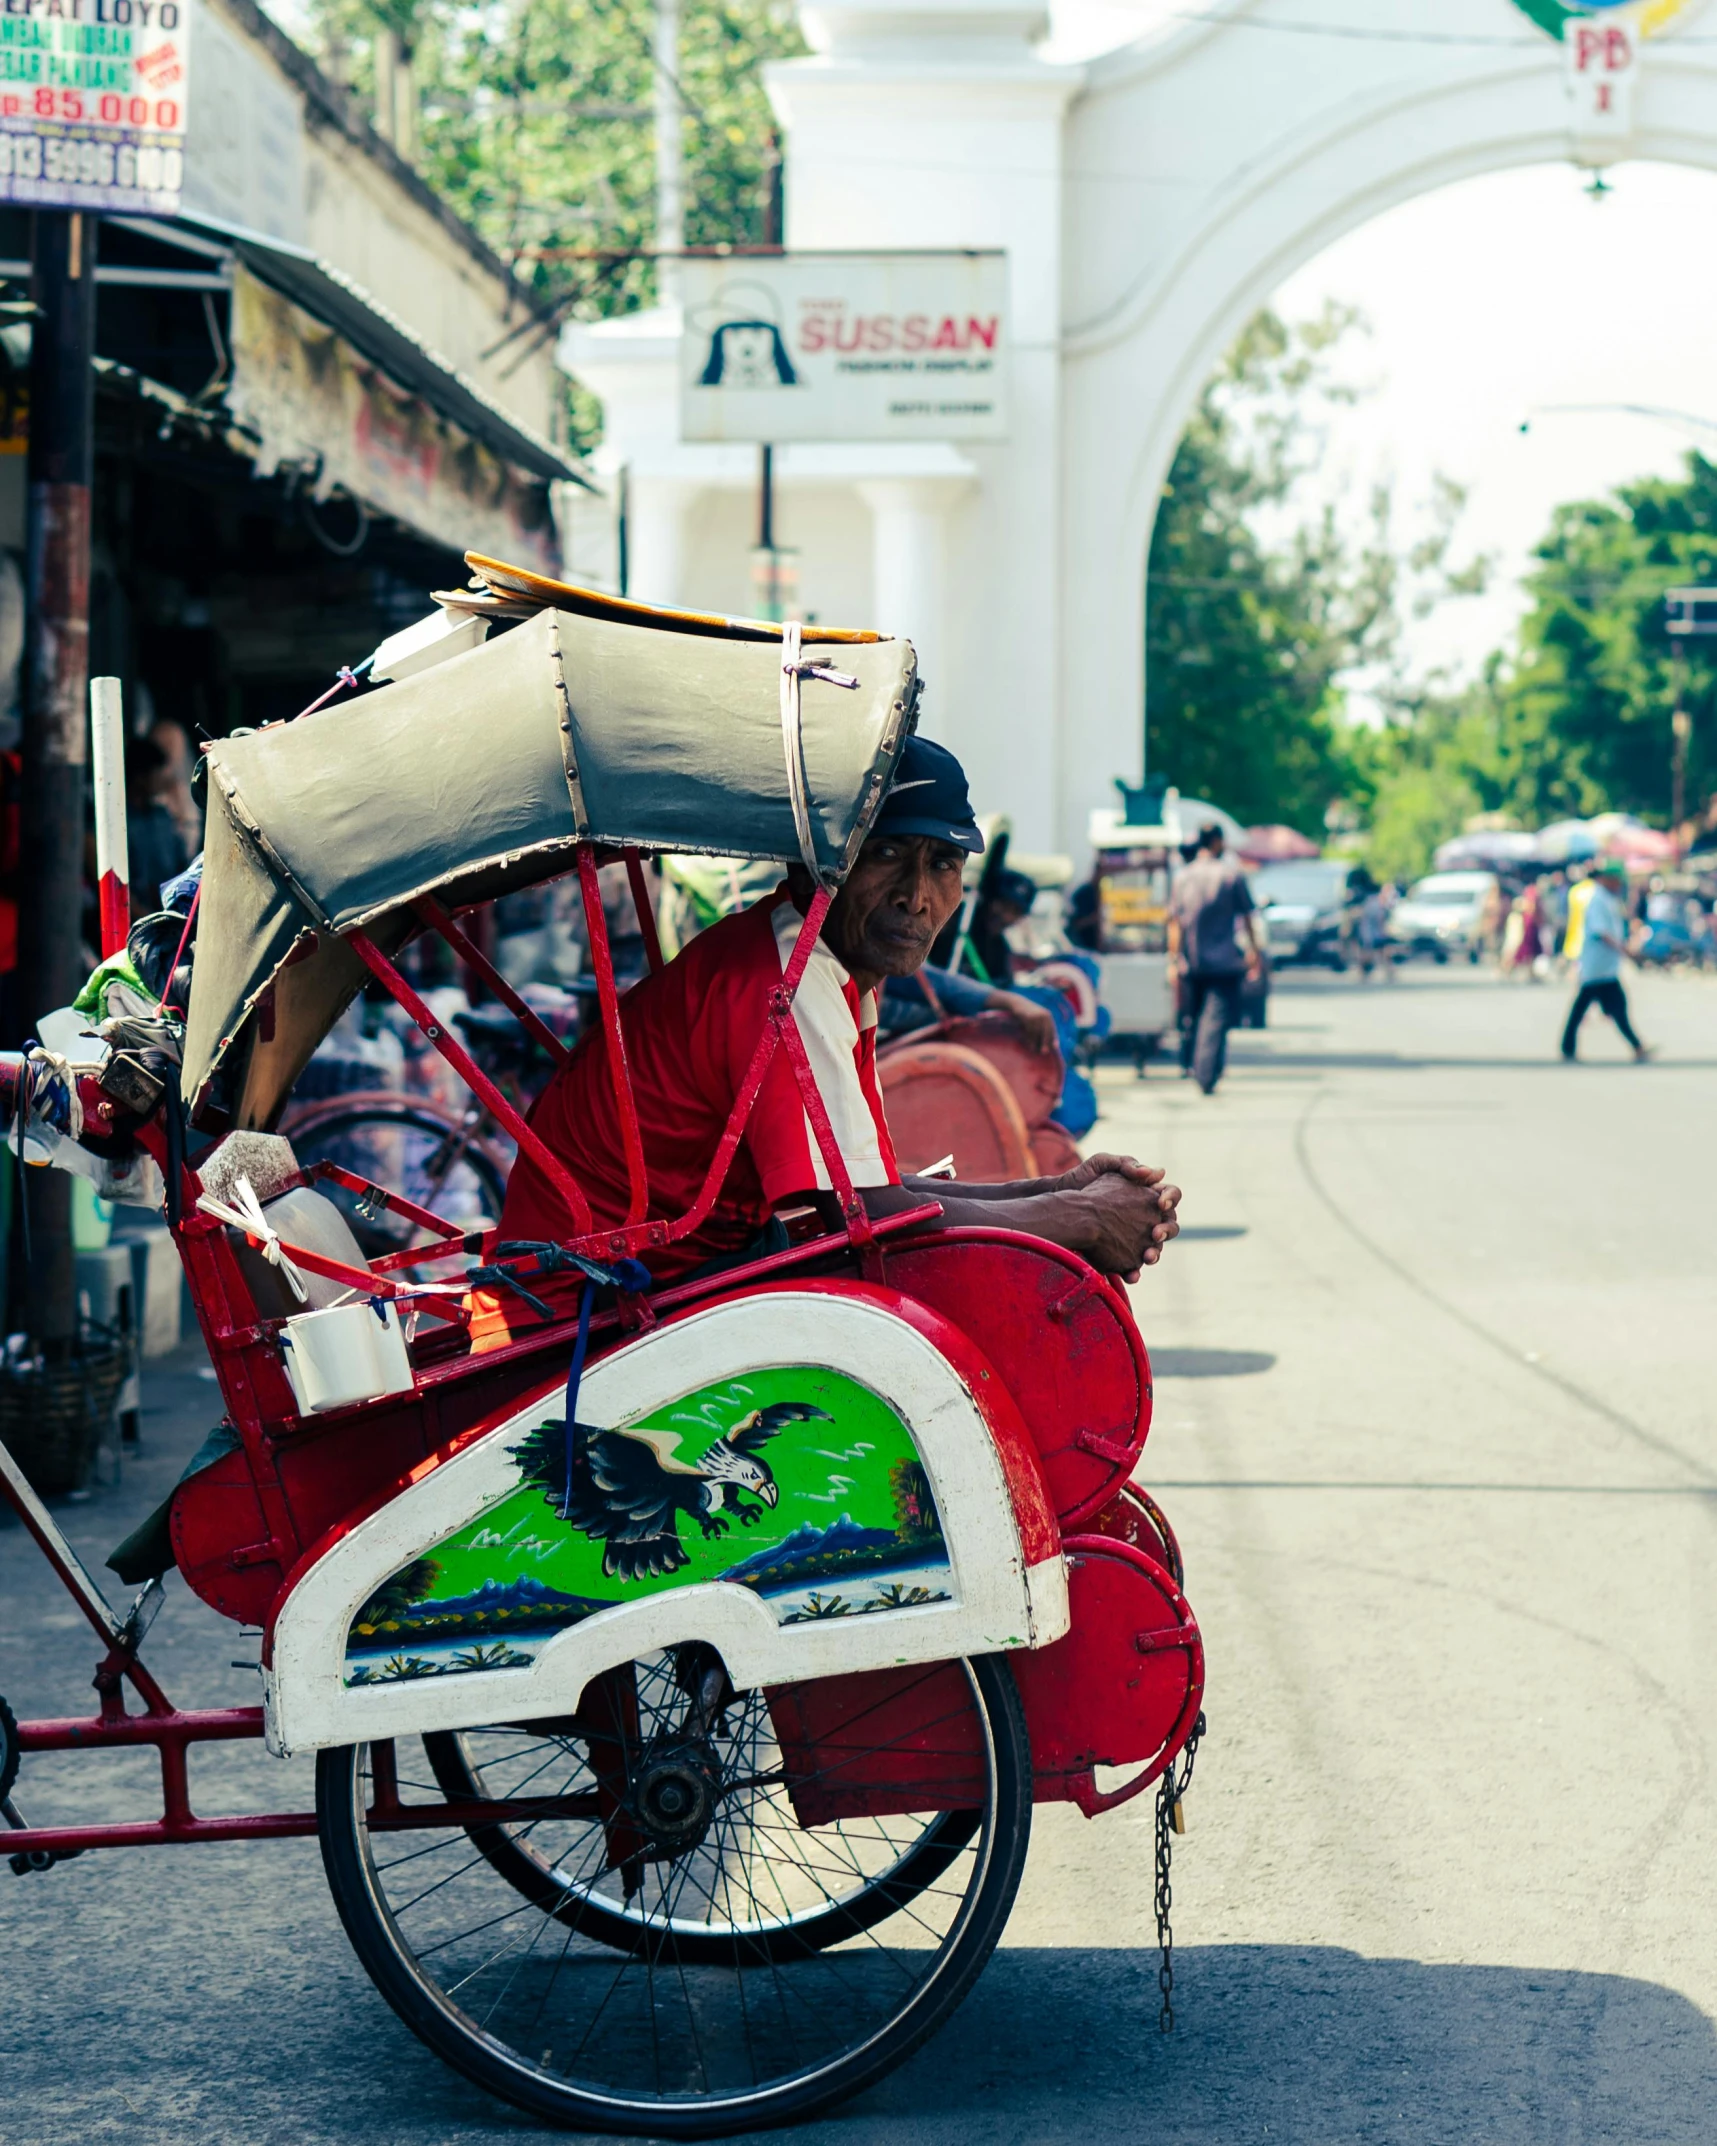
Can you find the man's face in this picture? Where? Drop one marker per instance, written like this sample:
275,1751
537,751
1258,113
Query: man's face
898,896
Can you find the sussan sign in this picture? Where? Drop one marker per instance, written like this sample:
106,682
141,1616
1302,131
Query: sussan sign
845,346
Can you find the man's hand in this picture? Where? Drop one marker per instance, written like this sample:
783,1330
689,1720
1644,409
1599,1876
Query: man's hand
1037,1021
1096,1166
1129,1221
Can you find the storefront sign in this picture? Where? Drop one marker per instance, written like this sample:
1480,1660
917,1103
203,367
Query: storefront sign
92,103
845,346
312,404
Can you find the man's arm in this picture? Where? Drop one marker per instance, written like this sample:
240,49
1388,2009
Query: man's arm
1113,1211
964,995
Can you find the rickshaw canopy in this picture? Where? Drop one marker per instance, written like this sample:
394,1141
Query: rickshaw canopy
587,720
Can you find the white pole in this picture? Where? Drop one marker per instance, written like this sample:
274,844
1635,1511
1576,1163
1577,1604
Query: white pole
670,162
112,853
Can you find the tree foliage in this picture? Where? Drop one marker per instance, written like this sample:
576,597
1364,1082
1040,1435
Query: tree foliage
1261,620
536,125
1575,718
1582,709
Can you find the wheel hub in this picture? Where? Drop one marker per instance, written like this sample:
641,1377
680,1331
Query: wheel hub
674,1792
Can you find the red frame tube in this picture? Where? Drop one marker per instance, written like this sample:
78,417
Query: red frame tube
646,909
446,1233
481,1086
619,1073
468,951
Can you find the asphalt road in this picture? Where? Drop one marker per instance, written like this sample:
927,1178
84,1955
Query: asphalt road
1436,1364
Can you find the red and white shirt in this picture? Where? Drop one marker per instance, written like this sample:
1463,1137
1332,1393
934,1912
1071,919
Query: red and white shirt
690,1033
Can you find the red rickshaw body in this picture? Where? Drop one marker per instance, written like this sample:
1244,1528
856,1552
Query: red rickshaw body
983,1397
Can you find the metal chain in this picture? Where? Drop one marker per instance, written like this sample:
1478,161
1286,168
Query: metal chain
1169,1793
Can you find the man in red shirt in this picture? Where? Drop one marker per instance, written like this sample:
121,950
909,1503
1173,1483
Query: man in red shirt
690,1032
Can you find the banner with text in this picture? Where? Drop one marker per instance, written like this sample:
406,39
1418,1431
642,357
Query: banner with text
92,103
845,346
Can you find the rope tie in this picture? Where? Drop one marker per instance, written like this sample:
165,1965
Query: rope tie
246,1214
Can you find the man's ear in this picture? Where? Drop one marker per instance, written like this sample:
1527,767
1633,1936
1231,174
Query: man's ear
801,886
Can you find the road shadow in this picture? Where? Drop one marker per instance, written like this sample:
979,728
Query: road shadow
1308,2045
1210,1363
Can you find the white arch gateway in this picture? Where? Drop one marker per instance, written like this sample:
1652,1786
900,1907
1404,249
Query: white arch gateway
1149,201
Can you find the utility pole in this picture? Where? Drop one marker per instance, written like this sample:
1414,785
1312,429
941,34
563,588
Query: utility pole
61,475
670,156
1690,614
772,571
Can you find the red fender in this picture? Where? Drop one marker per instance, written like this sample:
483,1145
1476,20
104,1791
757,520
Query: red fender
1063,1341
1122,1689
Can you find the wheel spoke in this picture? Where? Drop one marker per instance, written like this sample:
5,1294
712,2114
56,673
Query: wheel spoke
592,1958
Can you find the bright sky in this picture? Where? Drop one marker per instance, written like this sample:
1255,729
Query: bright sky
1489,301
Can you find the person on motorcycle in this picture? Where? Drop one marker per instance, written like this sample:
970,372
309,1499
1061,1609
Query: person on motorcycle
690,1032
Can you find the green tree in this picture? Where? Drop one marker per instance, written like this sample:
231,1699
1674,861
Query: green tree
1575,718
1583,706
536,124
1252,641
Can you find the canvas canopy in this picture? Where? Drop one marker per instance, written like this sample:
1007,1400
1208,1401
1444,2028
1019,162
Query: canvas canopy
482,775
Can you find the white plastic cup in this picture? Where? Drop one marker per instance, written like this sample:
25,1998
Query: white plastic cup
349,1353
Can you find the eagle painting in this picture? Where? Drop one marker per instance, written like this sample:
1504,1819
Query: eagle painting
627,1488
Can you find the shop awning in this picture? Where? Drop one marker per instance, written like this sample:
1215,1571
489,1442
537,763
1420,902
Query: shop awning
376,334
323,384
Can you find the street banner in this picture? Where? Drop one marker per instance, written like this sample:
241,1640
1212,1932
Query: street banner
1603,65
92,103
845,346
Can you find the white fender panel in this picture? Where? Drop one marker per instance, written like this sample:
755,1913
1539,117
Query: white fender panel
989,1600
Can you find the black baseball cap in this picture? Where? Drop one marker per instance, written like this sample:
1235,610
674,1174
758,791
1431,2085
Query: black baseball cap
929,797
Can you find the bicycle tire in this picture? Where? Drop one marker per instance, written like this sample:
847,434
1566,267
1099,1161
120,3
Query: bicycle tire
671,2019
460,1779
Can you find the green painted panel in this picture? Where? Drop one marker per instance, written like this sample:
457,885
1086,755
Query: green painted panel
797,1482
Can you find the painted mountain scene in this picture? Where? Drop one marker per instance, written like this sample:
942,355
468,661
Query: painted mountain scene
799,1484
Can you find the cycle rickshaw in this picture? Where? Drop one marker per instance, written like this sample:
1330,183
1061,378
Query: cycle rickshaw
682,1672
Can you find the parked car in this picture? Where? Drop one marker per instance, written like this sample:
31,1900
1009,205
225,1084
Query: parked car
1443,915
1306,908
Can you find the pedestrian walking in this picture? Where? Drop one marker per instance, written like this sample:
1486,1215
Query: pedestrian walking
1210,908
1371,933
1603,942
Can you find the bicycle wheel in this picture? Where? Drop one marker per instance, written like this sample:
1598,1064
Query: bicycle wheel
686,1956
429,1155
888,1861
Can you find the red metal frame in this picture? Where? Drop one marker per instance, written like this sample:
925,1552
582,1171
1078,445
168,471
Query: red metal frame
473,957
472,1074
619,1074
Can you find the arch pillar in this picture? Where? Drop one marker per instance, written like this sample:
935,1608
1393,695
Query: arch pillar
909,572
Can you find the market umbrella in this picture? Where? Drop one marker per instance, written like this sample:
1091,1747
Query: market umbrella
1565,841
1638,844
1275,845
1488,850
